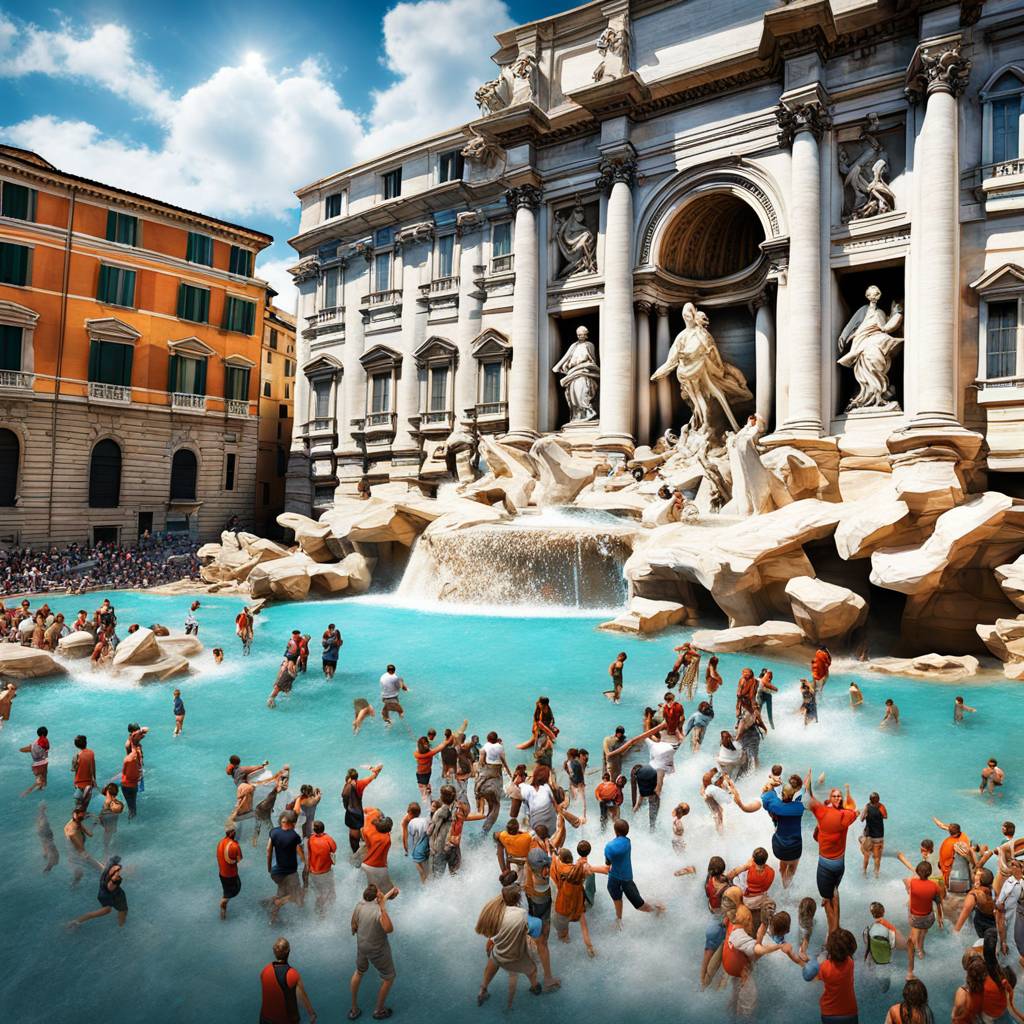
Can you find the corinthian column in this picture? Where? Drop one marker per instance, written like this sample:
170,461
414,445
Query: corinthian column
523,382
618,370
938,76
643,372
800,128
662,344
764,356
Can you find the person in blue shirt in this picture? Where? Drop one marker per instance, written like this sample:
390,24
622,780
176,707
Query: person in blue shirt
179,713
617,856
698,722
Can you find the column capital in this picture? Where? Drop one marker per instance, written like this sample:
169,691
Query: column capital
937,67
794,118
662,310
523,197
612,171
643,306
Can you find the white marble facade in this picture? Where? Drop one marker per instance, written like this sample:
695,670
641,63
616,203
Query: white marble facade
768,162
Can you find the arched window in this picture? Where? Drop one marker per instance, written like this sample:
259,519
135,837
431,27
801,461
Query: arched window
10,456
183,475
105,475
1003,101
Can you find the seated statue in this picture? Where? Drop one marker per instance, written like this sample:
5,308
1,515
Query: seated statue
576,243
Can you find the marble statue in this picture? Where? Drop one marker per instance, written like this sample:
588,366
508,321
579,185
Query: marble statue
613,46
576,243
524,78
496,94
866,346
480,150
580,376
866,189
702,373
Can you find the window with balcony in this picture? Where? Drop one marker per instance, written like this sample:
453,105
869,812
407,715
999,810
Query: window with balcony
445,255
382,272
332,206
1002,331
10,347
17,330
239,315
1003,114
501,247
493,354
241,261
122,228
17,201
199,249
450,166
14,263
187,375
110,364
332,282
116,286
391,184
1000,334
236,384
193,303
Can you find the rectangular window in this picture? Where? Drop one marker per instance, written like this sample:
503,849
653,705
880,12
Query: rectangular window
122,227
287,391
239,315
266,389
380,400
17,201
445,255
241,261
13,263
289,370
383,237
110,363
187,375
450,166
501,246
332,288
116,286
270,358
322,399
492,383
282,412
10,348
391,183
236,383
438,389
199,249
193,303
1001,342
332,206
1006,129
229,470
273,338
382,271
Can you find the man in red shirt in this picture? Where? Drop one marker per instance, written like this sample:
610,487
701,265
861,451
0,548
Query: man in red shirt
322,849
282,990
835,817
672,715
83,765
131,773
925,899
758,881
377,837
229,853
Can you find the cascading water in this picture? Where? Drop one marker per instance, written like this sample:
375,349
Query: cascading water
558,557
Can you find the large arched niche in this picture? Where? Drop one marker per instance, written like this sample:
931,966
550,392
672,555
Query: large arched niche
715,235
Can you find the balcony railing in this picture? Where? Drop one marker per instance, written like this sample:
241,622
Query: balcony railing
320,425
1006,169
491,409
441,284
327,315
380,419
192,403
16,380
110,392
434,418
1002,382
391,297
502,264
237,407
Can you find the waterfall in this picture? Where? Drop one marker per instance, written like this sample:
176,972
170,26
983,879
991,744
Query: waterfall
550,559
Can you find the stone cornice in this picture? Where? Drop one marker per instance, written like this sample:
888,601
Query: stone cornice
803,26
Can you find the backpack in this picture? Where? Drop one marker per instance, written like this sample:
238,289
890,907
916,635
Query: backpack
878,947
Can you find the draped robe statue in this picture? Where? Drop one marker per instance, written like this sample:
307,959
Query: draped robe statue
580,376
866,346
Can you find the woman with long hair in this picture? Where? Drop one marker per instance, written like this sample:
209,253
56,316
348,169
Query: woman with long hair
729,755
715,884
967,998
838,1001
540,800
913,1008
712,678
997,991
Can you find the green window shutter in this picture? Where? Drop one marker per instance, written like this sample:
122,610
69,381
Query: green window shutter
126,293
13,264
250,317
172,373
103,287
201,377
126,367
204,308
111,226
94,361
182,298
16,201
10,347
226,320
190,248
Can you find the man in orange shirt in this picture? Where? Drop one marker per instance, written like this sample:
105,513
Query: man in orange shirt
229,853
513,845
83,765
835,817
377,837
322,849
282,989
820,664
760,877
955,858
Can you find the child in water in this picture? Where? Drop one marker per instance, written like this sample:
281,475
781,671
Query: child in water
805,917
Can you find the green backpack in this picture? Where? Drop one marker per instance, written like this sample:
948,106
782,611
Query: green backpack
878,947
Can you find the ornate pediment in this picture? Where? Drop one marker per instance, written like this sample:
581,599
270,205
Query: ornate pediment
380,357
191,346
237,360
14,315
1007,278
323,365
491,343
436,350
109,328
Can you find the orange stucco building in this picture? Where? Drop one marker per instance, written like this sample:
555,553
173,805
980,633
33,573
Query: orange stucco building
130,344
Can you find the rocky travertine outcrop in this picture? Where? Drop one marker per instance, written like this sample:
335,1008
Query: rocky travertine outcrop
773,633
17,662
824,611
560,476
647,616
74,646
946,668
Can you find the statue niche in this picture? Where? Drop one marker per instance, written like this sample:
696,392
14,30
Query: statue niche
576,237
866,346
580,377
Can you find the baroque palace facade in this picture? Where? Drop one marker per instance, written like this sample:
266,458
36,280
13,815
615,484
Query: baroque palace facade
129,361
836,185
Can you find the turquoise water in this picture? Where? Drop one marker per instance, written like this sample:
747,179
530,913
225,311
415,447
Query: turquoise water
176,961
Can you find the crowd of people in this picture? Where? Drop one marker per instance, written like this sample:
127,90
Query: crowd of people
154,560
529,798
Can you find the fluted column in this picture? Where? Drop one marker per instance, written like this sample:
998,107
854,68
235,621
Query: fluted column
662,345
800,128
407,400
764,356
469,230
524,381
618,363
938,77
643,372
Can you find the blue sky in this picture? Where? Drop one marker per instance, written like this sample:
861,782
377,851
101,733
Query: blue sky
228,107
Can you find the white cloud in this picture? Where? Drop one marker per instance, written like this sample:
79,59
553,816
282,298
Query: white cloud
238,144
275,273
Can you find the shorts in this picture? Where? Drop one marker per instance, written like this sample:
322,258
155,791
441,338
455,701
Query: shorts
40,770
617,888
541,910
323,884
354,819
922,923
846,1018
420,853
560,923
714,934
830,874
391,704
787,849
423,778
381,960
379,877
230,886
287,885
116,900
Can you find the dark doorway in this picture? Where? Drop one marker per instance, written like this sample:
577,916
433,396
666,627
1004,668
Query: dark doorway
104,535
105,475
10,456
183,475
145,523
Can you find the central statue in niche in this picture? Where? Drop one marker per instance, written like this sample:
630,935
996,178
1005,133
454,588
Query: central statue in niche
866,346
580,377
704,377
